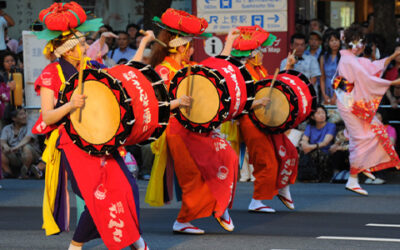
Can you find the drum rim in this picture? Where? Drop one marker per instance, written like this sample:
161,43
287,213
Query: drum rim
249,82
309,85
277,129
225,99
128,116
164,110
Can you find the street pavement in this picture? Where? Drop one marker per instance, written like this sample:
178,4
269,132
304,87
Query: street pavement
322,211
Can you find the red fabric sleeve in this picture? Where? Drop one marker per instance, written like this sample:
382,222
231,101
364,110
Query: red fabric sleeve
49,78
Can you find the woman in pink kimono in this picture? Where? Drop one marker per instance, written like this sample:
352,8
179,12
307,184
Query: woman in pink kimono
360,89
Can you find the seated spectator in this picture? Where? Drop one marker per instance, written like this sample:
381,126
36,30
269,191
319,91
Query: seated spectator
315,144
339,157
19,150
8,62
123,51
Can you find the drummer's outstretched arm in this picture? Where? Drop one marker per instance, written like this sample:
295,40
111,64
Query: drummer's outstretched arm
183,101
51,115
138,57
262,102
233,34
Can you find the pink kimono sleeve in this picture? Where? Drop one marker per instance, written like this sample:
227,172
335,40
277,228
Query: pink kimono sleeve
374,68
361,74
95,51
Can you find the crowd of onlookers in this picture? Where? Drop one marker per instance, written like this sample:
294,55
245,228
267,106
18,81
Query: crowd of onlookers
317,57
317,53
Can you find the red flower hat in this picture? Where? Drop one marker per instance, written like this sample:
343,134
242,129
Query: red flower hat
63,16
251,38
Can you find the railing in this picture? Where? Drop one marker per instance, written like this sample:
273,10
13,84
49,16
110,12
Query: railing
381,106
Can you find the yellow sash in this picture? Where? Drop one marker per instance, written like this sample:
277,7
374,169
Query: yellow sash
155,189
51,156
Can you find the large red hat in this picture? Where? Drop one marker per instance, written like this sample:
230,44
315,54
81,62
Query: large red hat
181,22
251,38
63,16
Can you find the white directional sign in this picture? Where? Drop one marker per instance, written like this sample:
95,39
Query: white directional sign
223,15
276,21
242,5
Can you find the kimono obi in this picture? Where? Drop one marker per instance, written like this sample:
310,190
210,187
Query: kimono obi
341,83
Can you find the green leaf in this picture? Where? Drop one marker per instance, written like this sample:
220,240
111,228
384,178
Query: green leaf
91,25
47,34
240,53
271,39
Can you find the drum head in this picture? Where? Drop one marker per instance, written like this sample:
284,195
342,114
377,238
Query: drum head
161,94
211,99
283,109
278,112
205,99
104,125
101,115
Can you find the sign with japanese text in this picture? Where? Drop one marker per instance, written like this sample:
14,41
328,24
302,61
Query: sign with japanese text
222,15
34,63
242,5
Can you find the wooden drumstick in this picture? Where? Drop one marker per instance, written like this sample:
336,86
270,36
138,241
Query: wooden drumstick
155,39
188,87
270,90
191,92
80,82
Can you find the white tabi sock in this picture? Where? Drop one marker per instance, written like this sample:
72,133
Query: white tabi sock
352,182
73,247
139,244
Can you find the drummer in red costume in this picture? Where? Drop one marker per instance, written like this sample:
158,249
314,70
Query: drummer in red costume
189,150
263,148
110,213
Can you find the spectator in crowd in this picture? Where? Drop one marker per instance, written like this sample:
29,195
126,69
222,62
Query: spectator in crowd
328,63
132,30
339,157
5,21
316,142
99,49
109,40
392,96
123,51
12,44
314,44
316,25
371,50
19,150
305,64
7,67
